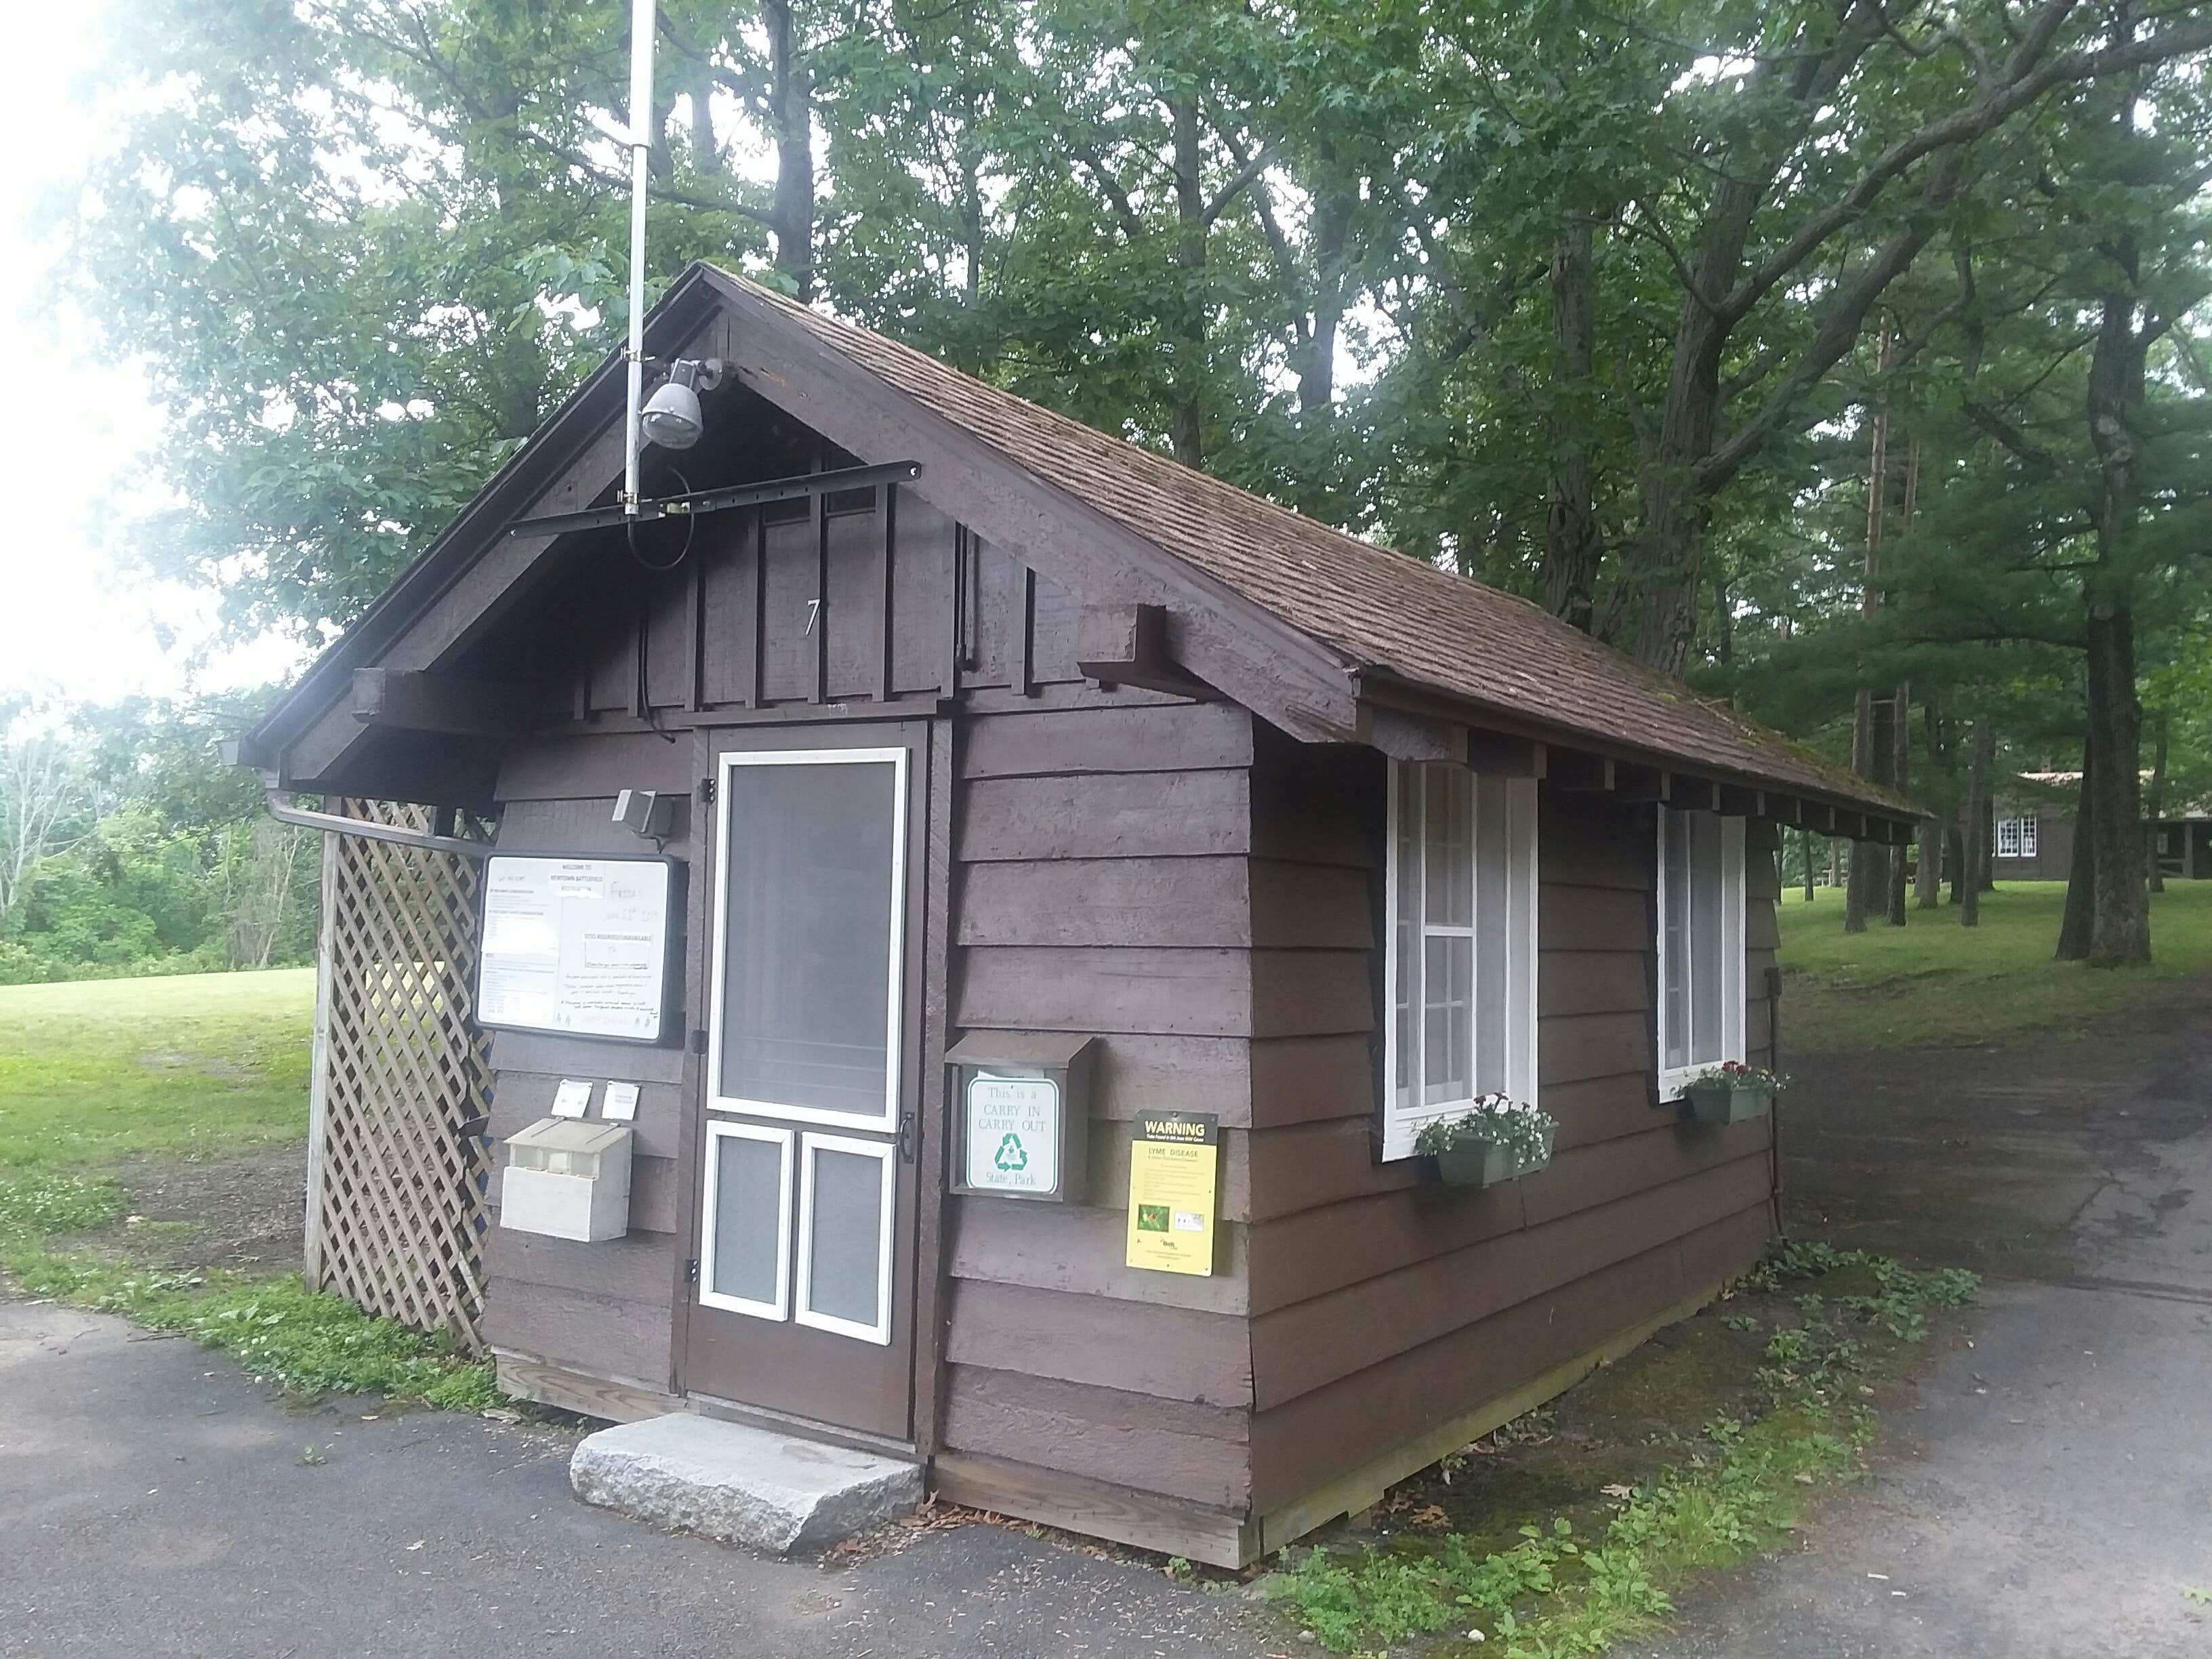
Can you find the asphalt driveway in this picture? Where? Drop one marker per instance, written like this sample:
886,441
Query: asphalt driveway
153,1502
2049,1492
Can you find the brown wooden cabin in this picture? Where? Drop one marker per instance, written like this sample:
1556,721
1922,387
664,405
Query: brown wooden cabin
1165,745
2031,833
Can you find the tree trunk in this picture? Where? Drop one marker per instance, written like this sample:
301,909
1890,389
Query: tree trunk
1572,547
1940,790
706,148
2074,926
1805,846
791,120
2154,801
1954,852
1928,875
1872,747
1977,821
2120,911
1187,425
1900,778
1333,203
1867,863
1900,718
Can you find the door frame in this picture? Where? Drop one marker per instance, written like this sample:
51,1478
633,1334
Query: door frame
927,731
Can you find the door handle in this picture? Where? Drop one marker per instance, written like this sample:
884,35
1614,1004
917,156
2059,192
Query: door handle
907,1128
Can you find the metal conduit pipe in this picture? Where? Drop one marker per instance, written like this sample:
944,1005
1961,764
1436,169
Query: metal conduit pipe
281,809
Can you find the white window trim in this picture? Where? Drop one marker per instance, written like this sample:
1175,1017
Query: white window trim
894,1004
1673,1080
1400,1123
2022,835
780,1309
882,1151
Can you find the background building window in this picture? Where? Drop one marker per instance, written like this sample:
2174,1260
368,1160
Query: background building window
1701,904
2016,838
1461,950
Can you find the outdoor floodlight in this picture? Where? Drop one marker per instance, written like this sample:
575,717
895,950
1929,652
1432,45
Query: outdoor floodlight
670,417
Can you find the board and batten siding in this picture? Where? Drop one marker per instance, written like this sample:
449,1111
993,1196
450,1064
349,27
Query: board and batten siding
911,607
1382,1307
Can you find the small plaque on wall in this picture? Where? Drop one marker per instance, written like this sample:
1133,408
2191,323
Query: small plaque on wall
1174,1173
1021,1115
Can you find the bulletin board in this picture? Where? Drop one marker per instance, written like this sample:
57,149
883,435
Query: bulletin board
581,946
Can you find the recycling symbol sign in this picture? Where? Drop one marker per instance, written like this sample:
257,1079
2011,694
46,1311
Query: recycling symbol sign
1013,1134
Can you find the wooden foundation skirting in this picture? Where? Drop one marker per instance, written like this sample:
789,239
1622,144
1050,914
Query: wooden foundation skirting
615,1399
1098,1508
1220,1538
1351,1493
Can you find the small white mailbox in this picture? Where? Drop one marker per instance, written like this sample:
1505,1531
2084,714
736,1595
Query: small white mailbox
568,1178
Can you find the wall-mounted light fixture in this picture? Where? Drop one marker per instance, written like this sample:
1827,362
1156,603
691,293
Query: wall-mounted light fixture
671,417
647,814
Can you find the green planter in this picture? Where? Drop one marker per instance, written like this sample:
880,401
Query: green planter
1485,1164
1721,1102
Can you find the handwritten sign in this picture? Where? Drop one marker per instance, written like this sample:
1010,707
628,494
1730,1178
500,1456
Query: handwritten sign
575,945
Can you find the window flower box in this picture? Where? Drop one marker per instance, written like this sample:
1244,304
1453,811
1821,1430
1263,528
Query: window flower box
1495,1140
1732,1093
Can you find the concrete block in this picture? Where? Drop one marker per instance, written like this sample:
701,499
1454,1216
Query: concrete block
747,1486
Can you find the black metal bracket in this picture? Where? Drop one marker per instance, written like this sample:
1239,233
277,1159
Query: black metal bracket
796,487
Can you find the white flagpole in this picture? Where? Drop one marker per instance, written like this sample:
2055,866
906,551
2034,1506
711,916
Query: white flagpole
642,20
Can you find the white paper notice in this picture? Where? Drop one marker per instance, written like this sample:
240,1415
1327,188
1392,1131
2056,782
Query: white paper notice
572,1098
579,946
620,1105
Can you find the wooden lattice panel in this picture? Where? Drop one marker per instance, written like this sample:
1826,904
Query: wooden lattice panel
399,1158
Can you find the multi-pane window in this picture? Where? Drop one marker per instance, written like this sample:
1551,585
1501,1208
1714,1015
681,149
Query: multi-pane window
2015,838
1701,903
1461,966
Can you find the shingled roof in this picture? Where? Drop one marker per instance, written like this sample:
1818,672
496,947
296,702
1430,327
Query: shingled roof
1377,609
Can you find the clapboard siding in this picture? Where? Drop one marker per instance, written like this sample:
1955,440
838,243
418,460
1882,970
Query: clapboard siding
639,1268
1080,1248
1382,1303
1170,1353
1105,865
1189,902
1314,1342
1163,992
1102,815
1171,737
611,1336
1306,1441
1175,1448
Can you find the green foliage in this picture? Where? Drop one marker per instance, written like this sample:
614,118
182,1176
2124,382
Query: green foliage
1932,982
161,860
92,1073
199,1065
1553,1593
306,1343
39,1203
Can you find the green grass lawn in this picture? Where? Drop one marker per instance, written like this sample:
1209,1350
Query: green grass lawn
198,1066
1933,983
206,1064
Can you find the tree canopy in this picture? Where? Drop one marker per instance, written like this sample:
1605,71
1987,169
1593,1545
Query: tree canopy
1843,355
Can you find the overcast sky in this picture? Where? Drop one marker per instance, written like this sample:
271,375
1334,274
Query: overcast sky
75,619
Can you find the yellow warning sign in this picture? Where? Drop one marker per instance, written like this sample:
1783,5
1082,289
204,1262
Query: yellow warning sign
1174,1169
